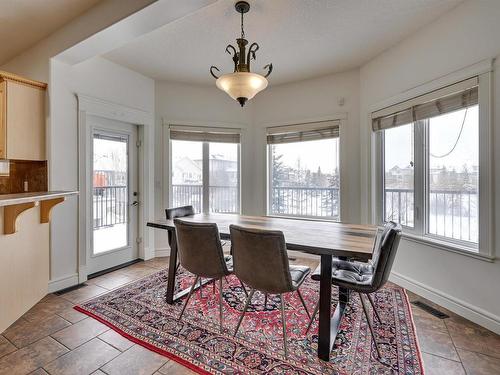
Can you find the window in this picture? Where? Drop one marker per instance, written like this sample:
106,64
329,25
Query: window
399,175
430,152
205,170
304,175
453,175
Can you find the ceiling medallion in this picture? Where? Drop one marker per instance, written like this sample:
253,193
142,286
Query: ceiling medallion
242,85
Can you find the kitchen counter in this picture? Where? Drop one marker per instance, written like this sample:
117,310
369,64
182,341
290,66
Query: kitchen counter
19,198
25,250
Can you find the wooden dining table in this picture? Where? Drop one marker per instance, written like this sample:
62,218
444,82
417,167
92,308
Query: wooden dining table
324,238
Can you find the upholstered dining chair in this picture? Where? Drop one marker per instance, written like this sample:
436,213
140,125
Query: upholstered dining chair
200,252
261,261
183,211
369,277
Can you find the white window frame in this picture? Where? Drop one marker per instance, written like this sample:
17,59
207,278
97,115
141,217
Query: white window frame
485,249
341,118
167,150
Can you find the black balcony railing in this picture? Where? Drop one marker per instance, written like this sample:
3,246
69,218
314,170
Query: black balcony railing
304,201
110,206
452,213
223,199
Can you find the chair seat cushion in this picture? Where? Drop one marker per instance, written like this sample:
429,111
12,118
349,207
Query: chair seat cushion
299,273
229,262
362,270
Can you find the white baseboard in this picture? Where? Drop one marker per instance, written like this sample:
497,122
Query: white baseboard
460,307
162,252
63,282
300,254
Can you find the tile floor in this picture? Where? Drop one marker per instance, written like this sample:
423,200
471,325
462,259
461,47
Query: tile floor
52,338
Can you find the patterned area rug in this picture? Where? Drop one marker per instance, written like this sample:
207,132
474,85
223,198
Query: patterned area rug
139,312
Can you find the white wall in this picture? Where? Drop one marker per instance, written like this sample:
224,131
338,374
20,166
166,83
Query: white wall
34,62
466,35
98,78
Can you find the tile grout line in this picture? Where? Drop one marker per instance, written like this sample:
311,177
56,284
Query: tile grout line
440,356
456,349
10,342
119,354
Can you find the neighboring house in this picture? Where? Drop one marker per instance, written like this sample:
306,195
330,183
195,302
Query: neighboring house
187,172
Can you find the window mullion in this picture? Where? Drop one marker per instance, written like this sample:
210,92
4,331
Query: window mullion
206,177
420,172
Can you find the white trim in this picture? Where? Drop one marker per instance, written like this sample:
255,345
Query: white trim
300,254
486,248
470,71
63,282
458,306
331,117
339,116
162,252
166,149
427,97
145,121
448,246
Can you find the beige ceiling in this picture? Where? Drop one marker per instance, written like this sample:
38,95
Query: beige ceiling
302,38
25,22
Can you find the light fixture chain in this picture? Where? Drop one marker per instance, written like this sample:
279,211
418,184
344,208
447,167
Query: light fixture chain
242,30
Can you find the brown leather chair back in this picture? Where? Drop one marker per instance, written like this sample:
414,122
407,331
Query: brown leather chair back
261,260
182,211
388,248
200,250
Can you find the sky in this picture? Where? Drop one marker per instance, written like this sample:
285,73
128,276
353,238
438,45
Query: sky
193,150
312,154
443,133
110,155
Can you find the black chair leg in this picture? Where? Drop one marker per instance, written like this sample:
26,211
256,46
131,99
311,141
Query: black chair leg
265,301
189,296
220,303
243,286
369,324
303,303
315,312
249,299
285,339
374,308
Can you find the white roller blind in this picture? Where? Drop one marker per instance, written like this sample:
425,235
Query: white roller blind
445,100
303,132
205,134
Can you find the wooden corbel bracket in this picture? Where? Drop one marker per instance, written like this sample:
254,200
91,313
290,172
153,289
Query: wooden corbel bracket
10,214
46,208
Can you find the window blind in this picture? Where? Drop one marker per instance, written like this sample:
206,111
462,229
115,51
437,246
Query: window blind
205,134
303,132
445,100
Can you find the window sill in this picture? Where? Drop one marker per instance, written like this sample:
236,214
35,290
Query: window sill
448,246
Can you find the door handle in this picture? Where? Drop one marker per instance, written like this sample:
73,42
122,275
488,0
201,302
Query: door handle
134,203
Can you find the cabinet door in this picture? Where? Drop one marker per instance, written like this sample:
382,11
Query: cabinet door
25,122
3,108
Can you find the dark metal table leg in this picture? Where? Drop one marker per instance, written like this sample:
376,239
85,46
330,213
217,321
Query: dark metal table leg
325,302
172,240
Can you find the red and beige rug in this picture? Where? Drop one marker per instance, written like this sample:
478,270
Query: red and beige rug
139,312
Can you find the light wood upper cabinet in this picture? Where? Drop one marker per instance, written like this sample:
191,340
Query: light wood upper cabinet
22,118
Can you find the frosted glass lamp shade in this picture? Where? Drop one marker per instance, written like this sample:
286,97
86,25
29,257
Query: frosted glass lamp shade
241,86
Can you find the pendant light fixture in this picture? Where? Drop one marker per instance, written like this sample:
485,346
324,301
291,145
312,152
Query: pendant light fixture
242,85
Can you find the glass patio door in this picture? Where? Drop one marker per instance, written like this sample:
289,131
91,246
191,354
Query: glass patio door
114,195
